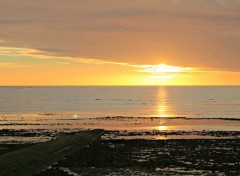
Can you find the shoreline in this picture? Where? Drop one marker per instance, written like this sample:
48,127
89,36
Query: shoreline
44,127
142,152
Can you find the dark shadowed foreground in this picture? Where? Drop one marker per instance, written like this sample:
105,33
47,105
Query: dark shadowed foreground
32,159
152,157
122,153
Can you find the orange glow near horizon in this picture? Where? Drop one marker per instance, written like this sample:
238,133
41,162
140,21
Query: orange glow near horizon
120,43
164,68
21,66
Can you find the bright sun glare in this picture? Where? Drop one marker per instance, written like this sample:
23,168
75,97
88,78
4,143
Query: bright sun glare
163,69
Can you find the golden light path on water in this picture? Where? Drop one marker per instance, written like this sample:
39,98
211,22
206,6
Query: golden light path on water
163,108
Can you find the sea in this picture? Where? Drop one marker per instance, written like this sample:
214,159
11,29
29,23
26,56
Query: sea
129,101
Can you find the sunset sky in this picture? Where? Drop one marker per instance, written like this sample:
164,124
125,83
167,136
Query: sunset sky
120,42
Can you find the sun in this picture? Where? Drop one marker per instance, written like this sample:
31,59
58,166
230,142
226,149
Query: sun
163,69
164,74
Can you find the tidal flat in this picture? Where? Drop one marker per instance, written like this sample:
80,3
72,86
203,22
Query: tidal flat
153,157
132,145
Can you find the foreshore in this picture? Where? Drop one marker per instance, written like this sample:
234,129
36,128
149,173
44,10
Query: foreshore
132,145
43,127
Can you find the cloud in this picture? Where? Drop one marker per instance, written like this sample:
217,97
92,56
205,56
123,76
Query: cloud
9,65
189,33
2,41
159,70
12,51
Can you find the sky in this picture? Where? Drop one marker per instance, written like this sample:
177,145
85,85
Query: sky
112,42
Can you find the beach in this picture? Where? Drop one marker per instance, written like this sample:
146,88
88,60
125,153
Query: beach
153,157
44,127
133,145
158,142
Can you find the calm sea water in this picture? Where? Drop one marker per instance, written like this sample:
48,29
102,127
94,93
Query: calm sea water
212,102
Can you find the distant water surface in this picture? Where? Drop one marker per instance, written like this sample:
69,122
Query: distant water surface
208,102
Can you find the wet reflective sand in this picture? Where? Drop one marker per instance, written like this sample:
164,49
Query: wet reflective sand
132,145
146,128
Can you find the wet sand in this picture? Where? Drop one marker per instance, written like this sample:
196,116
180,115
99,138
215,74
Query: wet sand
133,145
153,157
42,127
